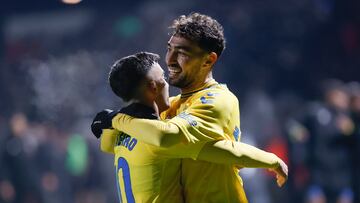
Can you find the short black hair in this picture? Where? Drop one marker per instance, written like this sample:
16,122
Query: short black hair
202,29
127,73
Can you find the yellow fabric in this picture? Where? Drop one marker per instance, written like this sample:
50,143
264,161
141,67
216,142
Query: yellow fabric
237,153
158,133
148,168
208,115
153,172
216,151
107,140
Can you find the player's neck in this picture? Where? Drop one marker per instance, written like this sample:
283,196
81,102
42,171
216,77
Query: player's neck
199,84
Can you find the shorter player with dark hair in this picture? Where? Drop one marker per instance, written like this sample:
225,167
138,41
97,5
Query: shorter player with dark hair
140,70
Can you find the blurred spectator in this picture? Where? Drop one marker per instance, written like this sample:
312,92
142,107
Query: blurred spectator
325,145
355,141
19,182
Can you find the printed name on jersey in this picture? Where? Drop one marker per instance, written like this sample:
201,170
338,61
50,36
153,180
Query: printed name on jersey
189,118
126,141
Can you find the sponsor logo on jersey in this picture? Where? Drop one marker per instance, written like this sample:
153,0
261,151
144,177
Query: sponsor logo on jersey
205,100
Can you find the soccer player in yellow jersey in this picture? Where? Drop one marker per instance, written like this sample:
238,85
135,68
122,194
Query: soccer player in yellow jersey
144,173
204,112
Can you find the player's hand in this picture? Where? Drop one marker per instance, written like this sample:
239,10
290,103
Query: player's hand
281,173
102,120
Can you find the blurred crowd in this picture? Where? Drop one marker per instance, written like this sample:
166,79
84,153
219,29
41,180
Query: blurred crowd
42,163
319,139
324,143
54,61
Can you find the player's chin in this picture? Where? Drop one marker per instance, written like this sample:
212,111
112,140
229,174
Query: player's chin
177,81
173,81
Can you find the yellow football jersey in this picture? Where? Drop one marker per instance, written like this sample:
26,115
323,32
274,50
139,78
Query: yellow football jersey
143,170
208,114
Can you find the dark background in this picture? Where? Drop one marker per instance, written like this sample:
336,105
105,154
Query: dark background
54,60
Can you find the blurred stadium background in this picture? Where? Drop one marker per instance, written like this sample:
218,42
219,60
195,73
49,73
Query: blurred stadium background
294,65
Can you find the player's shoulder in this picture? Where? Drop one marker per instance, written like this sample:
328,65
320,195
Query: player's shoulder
219,92
226,92
217,96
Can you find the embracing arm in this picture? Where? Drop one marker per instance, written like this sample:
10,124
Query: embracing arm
243,155
154,132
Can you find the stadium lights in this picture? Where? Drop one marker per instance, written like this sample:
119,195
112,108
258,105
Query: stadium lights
71,1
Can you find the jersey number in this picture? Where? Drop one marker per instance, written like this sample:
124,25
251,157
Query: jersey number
124,166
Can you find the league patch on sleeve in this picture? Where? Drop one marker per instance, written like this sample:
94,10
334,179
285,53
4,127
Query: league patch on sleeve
189,118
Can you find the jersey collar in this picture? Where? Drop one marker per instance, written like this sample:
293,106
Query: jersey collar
139,110
207,85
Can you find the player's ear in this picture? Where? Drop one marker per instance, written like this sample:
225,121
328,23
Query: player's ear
211,58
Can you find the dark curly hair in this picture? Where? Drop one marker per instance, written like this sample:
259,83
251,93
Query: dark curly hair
202,29
127,73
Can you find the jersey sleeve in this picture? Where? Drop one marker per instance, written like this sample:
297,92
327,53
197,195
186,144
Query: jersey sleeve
182,150
108,139
237,153
154,132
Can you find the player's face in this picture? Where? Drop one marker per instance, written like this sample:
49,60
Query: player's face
156,74
184,59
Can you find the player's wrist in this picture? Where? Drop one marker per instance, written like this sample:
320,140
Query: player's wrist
275,160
